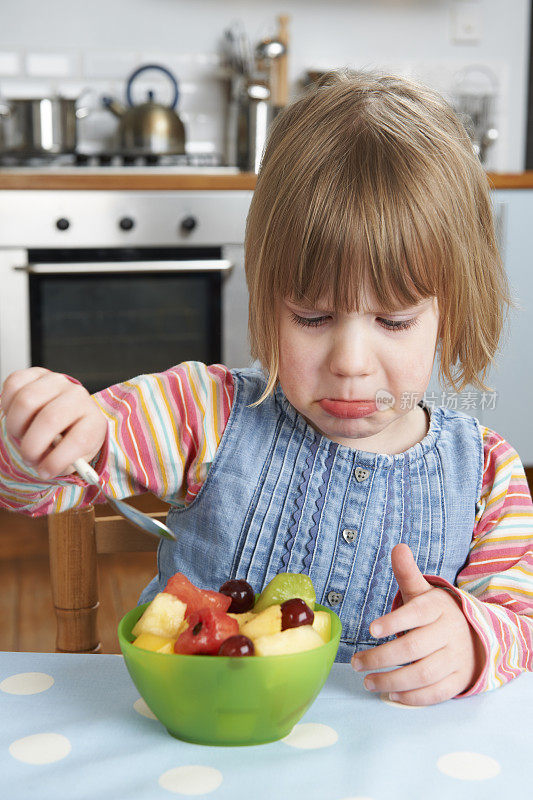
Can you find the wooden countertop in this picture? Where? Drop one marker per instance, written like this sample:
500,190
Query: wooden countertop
511,180
141,181
135,181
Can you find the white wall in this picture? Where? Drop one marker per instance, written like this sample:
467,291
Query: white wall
99,43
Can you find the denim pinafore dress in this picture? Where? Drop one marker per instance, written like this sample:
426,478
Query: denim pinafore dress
279,497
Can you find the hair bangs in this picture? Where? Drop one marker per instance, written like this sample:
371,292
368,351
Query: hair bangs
336,244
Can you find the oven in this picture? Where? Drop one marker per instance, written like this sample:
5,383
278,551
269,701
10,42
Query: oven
106,285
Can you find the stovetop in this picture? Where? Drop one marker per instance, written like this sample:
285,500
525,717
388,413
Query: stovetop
109,163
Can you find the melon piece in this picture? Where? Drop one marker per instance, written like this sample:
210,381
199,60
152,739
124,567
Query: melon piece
322,624
263,624
293,640
157,644
195,598
163,616
243,618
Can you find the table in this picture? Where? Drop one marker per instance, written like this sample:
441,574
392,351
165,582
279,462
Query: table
73,726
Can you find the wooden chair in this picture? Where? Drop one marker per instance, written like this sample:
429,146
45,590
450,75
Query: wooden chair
75,537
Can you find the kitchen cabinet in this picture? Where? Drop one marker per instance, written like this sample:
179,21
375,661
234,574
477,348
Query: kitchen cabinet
511,376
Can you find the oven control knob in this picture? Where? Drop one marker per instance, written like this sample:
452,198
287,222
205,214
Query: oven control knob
127,223
62,224
189,223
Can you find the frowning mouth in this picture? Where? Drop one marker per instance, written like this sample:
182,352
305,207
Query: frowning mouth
348,409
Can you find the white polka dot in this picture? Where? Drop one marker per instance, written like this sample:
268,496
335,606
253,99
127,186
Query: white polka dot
386,699
468,766
141,708
40,748
27,683
191,780
311,735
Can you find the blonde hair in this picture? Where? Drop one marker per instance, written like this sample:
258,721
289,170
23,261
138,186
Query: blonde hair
372,177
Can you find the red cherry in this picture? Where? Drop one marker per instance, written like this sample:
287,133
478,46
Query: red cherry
295,612
241,593
237,646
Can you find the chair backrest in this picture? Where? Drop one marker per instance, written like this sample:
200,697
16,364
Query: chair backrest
75,537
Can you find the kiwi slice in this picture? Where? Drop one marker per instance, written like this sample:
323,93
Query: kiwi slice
285,586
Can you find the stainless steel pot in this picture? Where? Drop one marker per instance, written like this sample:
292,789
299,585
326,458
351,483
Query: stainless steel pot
39,126
250,113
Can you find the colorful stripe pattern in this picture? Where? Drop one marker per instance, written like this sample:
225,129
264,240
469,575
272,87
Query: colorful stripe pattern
164,430
496,585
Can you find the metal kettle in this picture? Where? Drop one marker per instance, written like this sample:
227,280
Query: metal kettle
148,128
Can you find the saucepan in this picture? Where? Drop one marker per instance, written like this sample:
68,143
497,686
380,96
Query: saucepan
39,126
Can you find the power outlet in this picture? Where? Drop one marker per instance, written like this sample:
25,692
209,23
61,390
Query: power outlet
465,22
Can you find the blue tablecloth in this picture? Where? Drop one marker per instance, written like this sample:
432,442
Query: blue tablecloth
73,727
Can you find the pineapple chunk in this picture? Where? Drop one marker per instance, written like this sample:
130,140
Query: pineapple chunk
163,616
158,644
322,624
265,623
243,618
292,640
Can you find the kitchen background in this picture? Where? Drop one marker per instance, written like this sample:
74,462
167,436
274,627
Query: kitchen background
68,46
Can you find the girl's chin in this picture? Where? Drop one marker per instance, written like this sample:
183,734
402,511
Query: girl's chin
336,427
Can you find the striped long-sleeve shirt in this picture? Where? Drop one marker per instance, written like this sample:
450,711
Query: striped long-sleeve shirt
163,433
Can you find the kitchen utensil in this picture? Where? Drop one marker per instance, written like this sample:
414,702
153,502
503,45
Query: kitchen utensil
270,49
266,53
40,126
133,515
148,128
238,50
220,700
279,81
474,99
230,52
253,115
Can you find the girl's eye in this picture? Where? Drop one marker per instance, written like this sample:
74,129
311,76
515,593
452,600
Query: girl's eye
309,322
399,324
388,324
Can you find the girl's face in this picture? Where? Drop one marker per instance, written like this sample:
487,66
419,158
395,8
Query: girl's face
330,363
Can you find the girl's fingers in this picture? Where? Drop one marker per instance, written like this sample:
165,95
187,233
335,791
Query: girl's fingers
59,416
419,611
59,459
424,672
414,645
448,687
16,381
31,398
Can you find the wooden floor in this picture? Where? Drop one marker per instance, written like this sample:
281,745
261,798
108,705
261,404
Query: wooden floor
27,620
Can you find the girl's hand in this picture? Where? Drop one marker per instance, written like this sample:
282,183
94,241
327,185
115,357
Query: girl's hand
39,406
442,653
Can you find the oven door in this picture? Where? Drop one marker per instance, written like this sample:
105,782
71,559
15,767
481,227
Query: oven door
107,320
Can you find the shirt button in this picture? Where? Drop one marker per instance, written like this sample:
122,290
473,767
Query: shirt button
334,598
349,535
361,474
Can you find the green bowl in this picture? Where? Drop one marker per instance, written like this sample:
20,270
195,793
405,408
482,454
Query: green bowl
219,700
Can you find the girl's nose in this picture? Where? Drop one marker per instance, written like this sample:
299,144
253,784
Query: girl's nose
351,353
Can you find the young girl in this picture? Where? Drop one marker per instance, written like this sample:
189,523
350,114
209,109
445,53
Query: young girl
369,248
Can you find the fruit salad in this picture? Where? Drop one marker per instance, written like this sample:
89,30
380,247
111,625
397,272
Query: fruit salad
232,622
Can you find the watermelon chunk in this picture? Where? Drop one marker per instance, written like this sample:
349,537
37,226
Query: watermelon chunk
195,598
208,628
